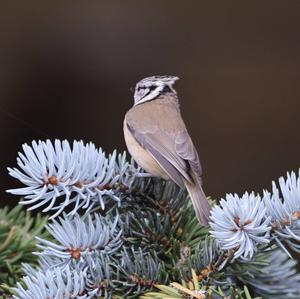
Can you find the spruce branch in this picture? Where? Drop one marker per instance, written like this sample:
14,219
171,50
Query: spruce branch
57,176
75,236
18,230
135,233
241,224
272,275
285,211
53,283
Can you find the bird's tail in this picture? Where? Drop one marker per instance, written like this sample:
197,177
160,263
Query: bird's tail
199,200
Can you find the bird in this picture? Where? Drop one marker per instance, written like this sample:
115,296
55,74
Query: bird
158,140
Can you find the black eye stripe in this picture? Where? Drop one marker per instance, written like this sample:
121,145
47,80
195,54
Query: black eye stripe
152,87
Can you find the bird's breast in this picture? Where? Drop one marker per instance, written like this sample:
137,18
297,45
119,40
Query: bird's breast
141,155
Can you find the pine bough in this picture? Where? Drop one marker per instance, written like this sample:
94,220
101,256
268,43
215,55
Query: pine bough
116,232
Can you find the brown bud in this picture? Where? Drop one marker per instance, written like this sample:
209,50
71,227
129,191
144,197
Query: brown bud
205,272
247,222
75,253
52,180
179,231
296,215
237,220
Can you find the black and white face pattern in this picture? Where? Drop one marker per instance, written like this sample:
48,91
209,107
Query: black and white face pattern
151,87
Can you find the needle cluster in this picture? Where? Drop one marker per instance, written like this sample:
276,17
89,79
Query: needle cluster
58,175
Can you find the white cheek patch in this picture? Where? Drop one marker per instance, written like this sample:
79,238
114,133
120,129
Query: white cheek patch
150,95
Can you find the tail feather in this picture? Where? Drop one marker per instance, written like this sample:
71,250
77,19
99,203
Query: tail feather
199,200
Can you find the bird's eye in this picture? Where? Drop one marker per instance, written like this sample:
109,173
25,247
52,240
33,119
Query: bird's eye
152,87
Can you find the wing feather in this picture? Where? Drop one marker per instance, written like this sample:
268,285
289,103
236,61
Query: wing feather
160,158
186,150
168,142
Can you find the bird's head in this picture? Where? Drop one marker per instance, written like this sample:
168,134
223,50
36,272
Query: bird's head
151,87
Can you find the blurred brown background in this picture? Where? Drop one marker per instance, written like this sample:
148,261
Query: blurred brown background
66,69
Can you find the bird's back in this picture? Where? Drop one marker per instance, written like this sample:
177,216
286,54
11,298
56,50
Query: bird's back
162,113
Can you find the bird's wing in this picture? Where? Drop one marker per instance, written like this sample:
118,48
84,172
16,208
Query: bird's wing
186,150
161,131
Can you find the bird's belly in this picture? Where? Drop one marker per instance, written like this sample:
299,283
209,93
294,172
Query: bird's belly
141,156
